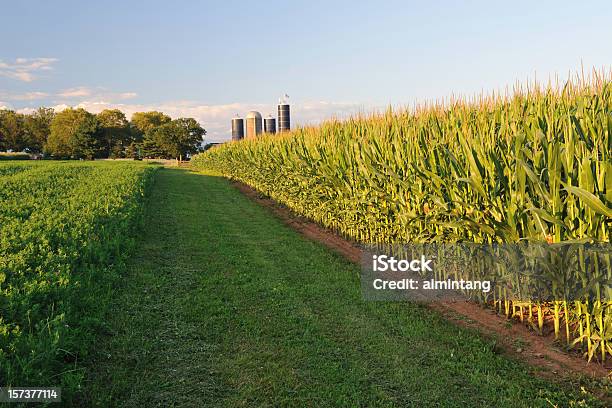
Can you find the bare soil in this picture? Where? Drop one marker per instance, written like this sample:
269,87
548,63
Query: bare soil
514,337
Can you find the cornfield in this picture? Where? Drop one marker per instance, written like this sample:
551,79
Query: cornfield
531,166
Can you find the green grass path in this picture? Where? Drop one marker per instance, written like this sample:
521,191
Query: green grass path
223,305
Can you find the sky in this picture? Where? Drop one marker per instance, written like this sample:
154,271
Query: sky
212,60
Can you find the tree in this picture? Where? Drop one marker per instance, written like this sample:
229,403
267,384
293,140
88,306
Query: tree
116,134
12,131
75,133
141,125
144,122
38,127
175,139
190,136
150,148
134,151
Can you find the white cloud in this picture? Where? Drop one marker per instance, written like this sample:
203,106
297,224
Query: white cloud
77,92
27,96
127,95
216,119
71,95
26,69
96,93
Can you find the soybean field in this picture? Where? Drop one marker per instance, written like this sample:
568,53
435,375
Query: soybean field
66,229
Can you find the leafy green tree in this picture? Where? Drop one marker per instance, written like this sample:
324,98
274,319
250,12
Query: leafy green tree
38,127
176,139
190,136
134,150
12,131
75,133
141,125
150,149
116,134
165,139
144,122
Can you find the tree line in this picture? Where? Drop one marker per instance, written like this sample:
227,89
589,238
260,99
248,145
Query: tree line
79,134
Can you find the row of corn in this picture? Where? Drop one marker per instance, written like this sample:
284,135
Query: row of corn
534,166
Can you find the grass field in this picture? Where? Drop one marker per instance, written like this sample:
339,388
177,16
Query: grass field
223,305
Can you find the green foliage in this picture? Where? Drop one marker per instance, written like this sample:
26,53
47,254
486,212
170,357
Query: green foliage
38,127
189,136
75,133
533,166
174,139
163,137
78,134
19,132
150,149
144,122
116,132
12,131
65,231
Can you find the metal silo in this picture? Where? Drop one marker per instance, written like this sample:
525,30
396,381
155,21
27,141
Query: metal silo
253,124
270,125
237,129
284,120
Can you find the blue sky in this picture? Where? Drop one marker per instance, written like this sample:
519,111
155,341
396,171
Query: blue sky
212,59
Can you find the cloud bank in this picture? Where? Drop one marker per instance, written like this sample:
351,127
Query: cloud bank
216,119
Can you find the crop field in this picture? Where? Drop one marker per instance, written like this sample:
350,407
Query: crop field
222,305
533,166
129,285
65,231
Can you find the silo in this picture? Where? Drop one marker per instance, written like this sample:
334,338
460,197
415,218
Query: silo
253,124
284,121
270,125
237,129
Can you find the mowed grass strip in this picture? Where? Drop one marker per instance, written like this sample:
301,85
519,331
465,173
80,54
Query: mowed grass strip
223,305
